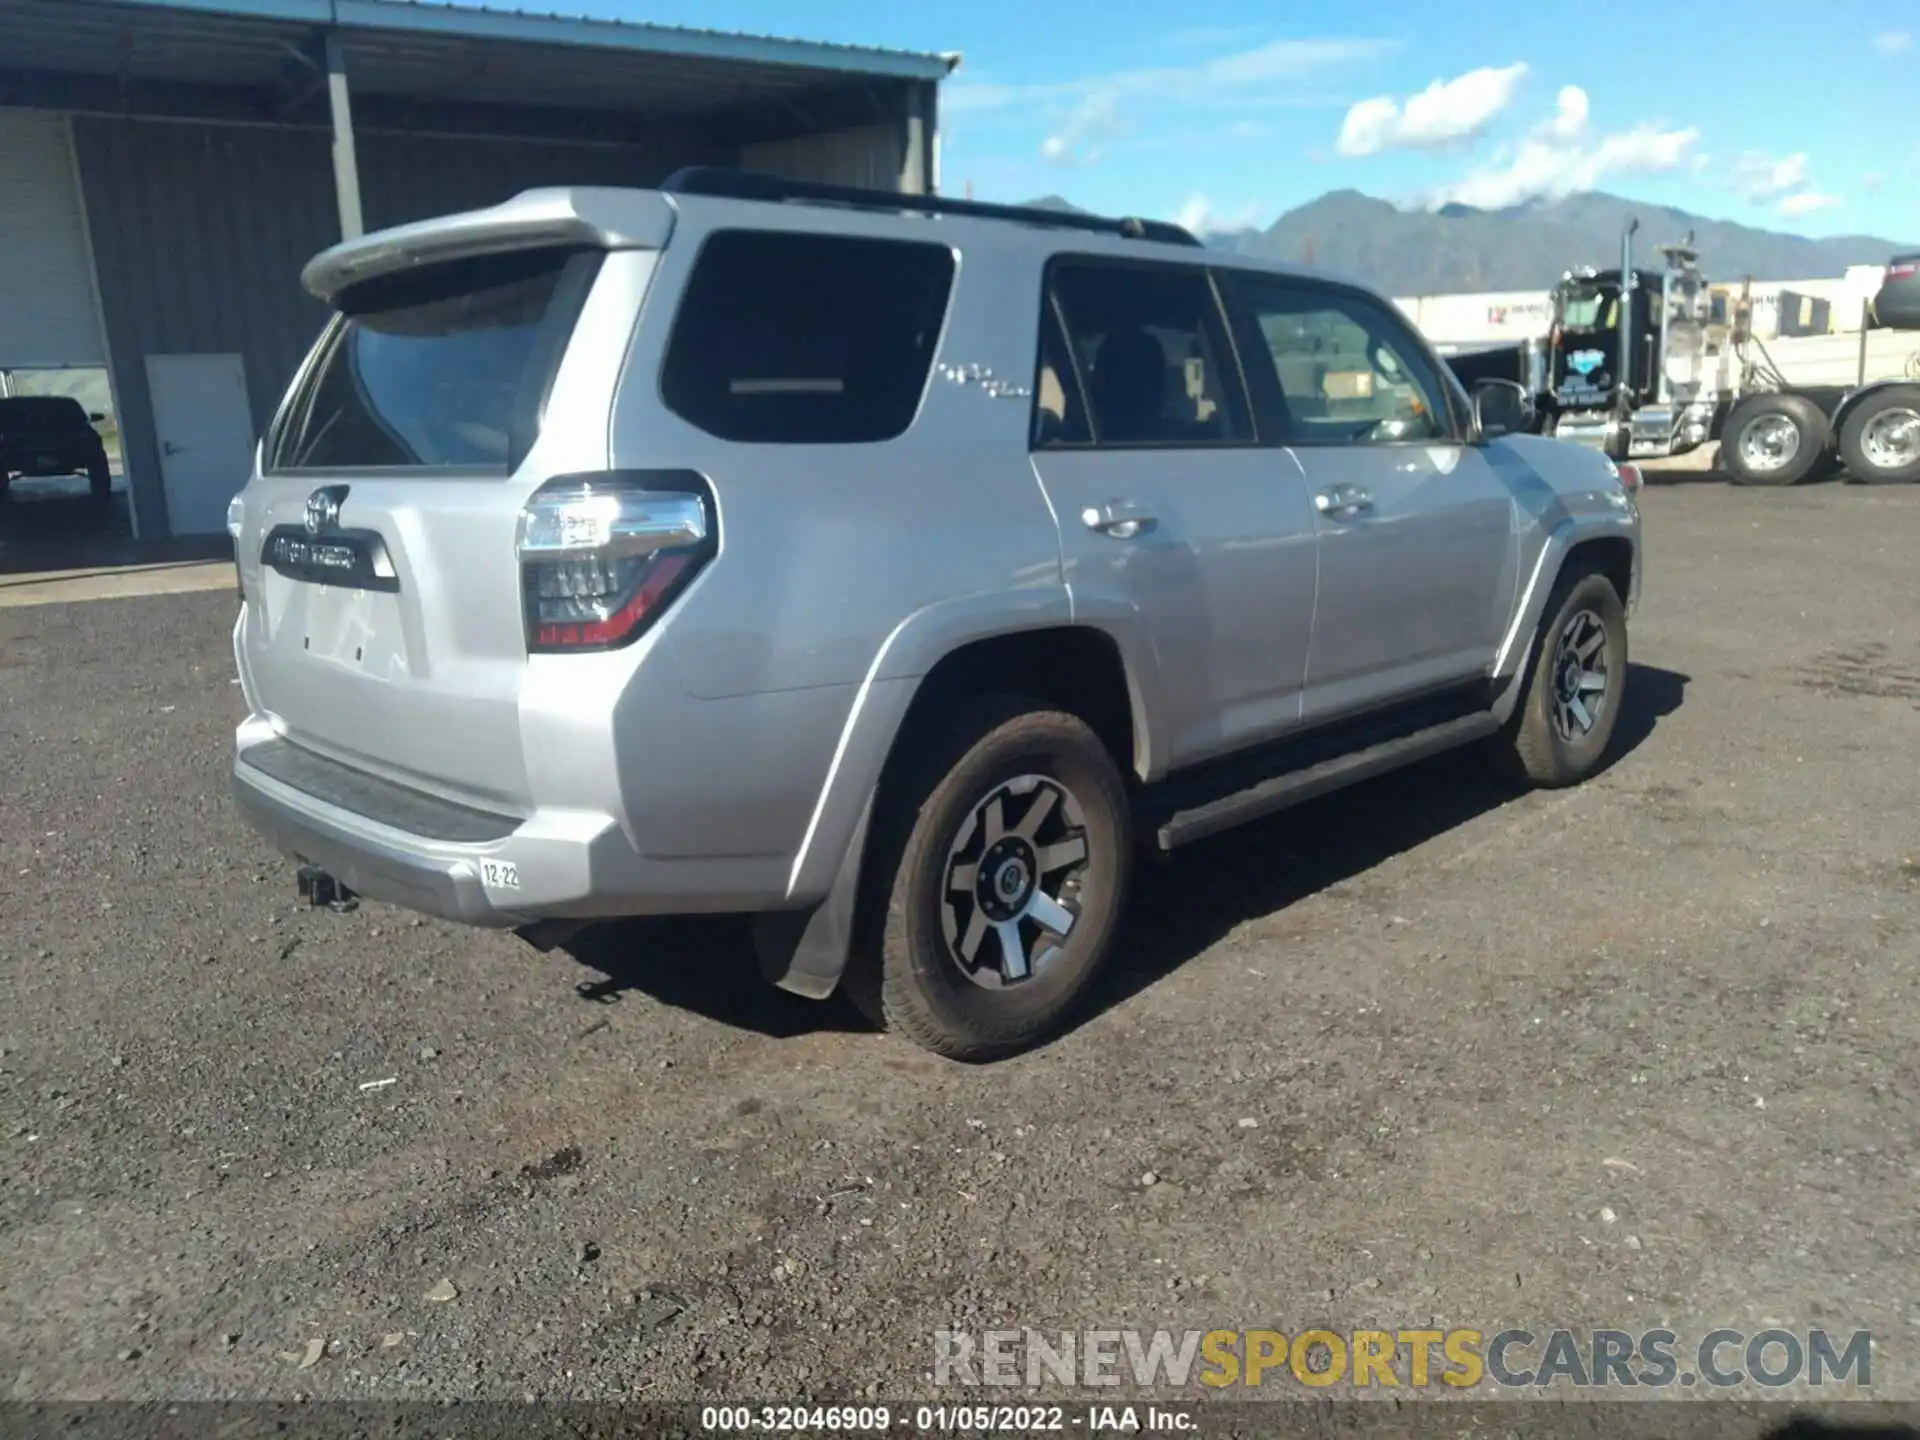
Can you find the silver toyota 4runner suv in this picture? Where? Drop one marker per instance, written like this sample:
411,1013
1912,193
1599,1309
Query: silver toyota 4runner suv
884,568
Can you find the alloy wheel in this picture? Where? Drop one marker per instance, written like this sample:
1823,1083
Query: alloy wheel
1012,890
1581,677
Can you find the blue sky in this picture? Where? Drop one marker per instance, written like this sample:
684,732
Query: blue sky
1794,116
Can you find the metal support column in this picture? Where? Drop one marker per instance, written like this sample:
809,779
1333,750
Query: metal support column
930,135
346,165
915,177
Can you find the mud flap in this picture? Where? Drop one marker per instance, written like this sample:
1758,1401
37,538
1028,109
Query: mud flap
806,951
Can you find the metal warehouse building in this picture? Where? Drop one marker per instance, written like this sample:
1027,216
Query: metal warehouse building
168,166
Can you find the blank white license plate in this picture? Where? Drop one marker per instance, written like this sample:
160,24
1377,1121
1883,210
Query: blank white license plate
499,875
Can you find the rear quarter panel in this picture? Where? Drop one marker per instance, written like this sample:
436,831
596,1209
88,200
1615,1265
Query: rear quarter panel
844,572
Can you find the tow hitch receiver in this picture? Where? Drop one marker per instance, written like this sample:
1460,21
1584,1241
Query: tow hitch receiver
318,889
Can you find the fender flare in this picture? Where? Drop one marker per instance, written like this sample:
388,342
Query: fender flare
1571,532
805,948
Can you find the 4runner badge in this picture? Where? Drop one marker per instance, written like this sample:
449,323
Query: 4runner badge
982,376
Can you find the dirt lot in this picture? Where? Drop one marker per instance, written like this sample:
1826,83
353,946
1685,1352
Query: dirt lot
1467,1026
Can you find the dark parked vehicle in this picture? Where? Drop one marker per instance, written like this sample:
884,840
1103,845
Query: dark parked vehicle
51,435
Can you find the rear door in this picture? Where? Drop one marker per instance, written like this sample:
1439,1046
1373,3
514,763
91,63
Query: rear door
384,621
1417,544
1175,526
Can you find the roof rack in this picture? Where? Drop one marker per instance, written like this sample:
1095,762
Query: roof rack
754,185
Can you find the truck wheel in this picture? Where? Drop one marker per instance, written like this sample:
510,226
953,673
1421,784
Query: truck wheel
1773,440
1575,682
1880,439
996,881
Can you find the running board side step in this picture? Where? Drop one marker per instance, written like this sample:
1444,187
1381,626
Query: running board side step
1294,787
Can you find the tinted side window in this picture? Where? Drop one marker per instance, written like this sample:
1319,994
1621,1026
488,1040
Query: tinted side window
794,339
1152,351
448,367
1347,370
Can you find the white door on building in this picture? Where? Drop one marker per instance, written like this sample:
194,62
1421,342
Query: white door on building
48,318
204,428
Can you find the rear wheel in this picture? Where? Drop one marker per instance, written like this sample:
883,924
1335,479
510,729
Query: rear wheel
1575,684
1773,440
997,880
1880,439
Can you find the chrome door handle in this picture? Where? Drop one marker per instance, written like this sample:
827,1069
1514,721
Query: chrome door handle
1342,502
1121,519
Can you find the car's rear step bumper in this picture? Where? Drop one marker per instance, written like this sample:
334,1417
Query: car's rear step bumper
320,831
390,842
381,801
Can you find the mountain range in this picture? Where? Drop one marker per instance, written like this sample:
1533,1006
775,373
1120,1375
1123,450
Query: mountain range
1461,250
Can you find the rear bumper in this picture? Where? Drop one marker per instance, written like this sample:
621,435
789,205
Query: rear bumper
567,864
381,866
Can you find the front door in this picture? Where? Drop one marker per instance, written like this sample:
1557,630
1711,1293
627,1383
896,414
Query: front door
204,427
1176,530
1417,547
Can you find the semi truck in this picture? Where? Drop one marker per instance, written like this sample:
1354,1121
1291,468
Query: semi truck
1647,362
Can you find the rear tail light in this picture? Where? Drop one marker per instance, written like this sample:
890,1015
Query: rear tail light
601,556
1630,477
1901,269
236,521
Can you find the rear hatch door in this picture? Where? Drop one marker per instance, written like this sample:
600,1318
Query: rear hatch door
385,623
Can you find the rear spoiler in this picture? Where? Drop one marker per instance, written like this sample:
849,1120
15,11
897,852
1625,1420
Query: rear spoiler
606,219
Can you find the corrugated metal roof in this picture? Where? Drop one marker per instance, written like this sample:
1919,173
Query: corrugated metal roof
475,24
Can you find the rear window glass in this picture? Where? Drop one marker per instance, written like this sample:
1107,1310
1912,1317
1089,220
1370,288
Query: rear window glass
447,368
796,339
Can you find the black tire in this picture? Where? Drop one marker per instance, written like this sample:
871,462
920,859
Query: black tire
908,975
99,478
1873,414
1542,746
1810,436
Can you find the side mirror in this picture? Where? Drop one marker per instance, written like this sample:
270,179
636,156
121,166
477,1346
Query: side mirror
1501,407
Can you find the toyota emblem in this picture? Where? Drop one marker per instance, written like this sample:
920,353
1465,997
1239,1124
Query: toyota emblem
323,508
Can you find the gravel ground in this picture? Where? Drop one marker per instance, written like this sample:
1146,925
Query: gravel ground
1638,1053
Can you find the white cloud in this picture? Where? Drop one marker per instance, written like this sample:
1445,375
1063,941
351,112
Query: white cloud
1545,165
1084,115
1872,180
1787,184
1570,114
1201,218
1892,42
1194,214
1086,129
1445,113
1805,202
1765,179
